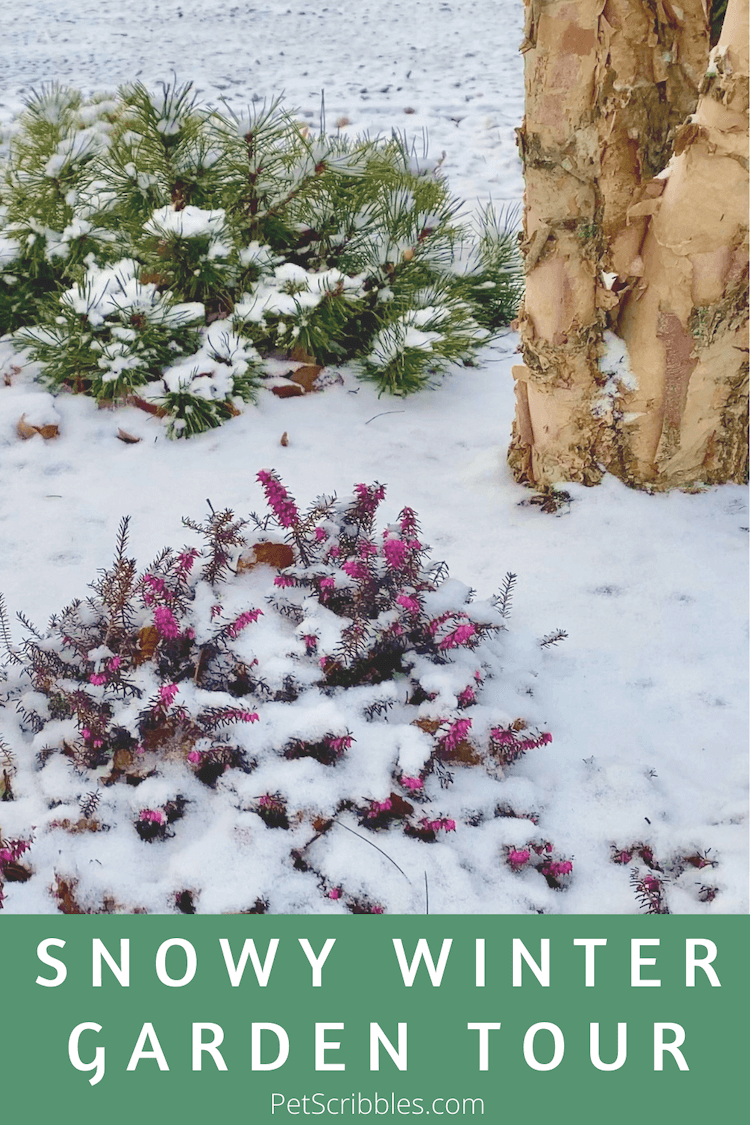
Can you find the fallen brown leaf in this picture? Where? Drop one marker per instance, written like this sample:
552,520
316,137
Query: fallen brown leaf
279,555
149,407
129,439
65,895
305,376
148,639
287,390
299,355
25,430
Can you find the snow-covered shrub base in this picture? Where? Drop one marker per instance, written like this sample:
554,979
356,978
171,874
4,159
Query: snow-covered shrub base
324,721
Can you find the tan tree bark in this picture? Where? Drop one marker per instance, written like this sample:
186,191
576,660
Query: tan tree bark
686,325
607,83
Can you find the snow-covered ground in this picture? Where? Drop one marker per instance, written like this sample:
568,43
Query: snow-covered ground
647,698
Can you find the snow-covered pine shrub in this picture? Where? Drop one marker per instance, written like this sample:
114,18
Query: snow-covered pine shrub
326,247
306,713
45,206
493,283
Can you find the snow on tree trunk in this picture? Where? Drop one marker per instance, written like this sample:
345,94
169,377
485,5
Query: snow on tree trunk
686,325
607,83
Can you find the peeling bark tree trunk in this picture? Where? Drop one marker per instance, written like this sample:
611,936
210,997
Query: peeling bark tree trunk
686,328
559,321
607,84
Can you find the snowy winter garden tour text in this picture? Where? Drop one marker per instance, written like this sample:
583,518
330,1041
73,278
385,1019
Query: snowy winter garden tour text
176,966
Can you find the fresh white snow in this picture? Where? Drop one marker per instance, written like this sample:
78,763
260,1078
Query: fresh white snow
646,699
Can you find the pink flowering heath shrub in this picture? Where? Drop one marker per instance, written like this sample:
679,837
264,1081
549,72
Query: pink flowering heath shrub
289,711
651,886
539,856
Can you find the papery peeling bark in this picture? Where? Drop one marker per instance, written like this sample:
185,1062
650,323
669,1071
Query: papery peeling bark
608,82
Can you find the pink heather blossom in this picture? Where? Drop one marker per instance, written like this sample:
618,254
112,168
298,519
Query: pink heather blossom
651,883
327,583
466,697
508,738
408,602
559,867
455,734
334,893
395,552
86,733
310,641
408,521
155,815
623,857
354,569
278,499
97,678
248,716
377,807
98,743
436,622
518,857
269,802
13,851
194,756
190,633
156,584
166,622
377,910
413,544
436,825
368,498
244,619
412,782
216,611
459,636
284,580
186,559
114,663
334,552
340,743
167,692
503,737
366,548
320,534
